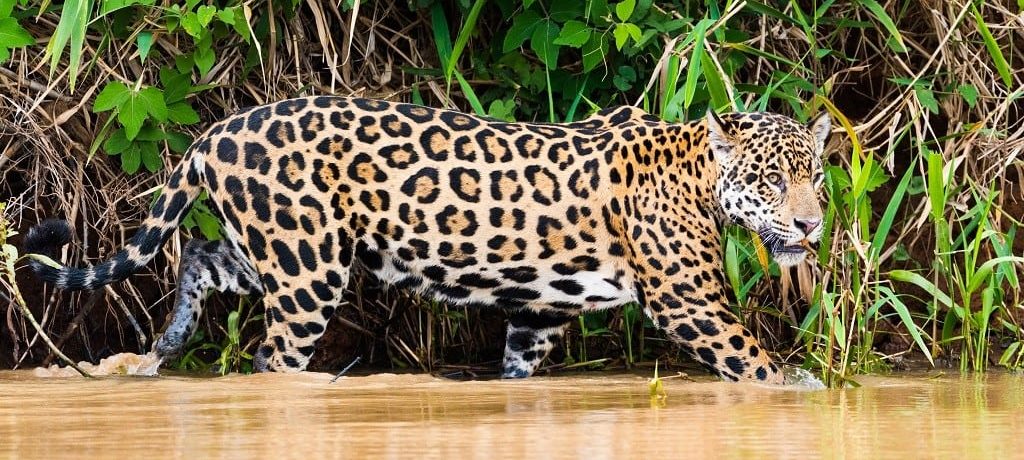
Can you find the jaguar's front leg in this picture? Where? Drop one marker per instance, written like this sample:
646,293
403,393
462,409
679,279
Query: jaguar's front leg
530,337
685,295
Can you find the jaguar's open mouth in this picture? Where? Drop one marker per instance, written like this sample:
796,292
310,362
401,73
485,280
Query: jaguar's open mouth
776,245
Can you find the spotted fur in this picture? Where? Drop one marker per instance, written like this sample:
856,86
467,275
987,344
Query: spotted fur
545,221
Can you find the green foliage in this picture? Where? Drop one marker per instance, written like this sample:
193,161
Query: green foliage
12,34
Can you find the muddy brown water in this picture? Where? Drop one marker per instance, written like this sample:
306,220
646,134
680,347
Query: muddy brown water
580,416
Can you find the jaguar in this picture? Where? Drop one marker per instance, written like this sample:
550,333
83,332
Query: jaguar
543,221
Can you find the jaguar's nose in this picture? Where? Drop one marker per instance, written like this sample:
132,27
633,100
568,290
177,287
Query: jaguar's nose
807,225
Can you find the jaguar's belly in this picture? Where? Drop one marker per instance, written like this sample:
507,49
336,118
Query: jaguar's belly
564,286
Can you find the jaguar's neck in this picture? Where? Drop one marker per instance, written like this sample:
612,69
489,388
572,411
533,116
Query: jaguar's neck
672,160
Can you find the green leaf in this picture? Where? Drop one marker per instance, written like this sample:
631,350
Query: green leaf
241,24
522,28
927,99
209,226
970,93
131,159
227,16
116,143
153,99
205,14
574,34
543,43
112,95
132,113
190,22
150,154
144,42
624,9
564,10
6,7
204,56
178,142
12,35
625,31
182,113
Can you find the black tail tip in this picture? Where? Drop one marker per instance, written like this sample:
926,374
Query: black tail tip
47,237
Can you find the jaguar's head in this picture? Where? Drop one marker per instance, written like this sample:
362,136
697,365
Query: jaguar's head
770,171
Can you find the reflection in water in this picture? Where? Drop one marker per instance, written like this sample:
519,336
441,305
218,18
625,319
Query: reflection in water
583,416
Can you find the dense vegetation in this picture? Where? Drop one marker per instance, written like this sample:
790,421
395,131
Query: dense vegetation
924,195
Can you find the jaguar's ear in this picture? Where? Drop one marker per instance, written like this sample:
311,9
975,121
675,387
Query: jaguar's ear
720,138
820,127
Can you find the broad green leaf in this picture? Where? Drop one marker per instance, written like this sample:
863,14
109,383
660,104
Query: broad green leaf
182,113
131,159
564,10
153,99
624,9
132,113
111,96
574,34
927,99
12,35
116,143
625,31
227,16
190,22
543,43
204,56
241,23
205,14
178,142
522,28
145,43
150,155
6,7
970,93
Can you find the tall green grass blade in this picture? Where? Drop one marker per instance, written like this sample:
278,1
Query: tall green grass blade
463,38
984,272
715,81
904,313
70,32
878,11
467,90
693,69
885,224
907,276
993,48
442,36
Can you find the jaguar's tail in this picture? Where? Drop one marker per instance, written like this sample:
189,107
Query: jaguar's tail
170,208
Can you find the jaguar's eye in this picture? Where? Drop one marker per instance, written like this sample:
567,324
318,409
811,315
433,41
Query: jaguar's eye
774,179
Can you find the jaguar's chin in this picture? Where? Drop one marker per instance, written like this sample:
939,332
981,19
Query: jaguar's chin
789,258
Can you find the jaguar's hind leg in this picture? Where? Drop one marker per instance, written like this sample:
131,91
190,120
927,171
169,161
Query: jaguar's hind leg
530,337
204,265
296,316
